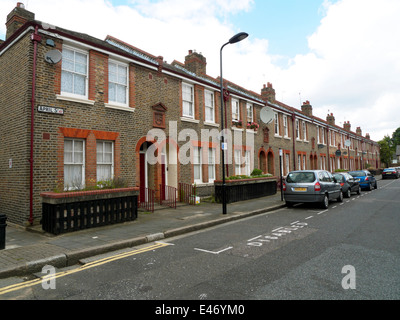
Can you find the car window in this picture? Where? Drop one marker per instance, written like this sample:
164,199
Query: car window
298,177
339,177
321,176
327,177
357,173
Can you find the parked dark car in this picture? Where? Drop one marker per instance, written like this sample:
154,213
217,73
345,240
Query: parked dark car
348,183
311,186
390,173
365,178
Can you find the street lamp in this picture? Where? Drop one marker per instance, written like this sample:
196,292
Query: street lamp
236,38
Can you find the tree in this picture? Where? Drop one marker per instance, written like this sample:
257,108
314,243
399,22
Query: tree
396,138
386,146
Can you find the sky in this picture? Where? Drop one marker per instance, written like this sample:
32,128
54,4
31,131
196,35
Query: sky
341,55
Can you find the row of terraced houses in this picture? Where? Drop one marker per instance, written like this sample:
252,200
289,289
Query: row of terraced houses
87,117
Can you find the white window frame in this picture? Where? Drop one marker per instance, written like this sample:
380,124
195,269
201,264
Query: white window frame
74,163
304,162
86,75
297,129
299,162
318,135
287,163
276,124
235,110
211,165
103,163
285,126
118,84
305,138
238,162
189,102
197,162
209,107
247,163
250,112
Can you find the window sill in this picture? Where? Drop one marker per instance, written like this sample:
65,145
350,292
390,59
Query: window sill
116,107
190,120
237,129
75,99
212,124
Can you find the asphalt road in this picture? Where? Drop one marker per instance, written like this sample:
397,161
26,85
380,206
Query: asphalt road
349,252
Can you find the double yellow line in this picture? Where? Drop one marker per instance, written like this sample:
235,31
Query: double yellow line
89,265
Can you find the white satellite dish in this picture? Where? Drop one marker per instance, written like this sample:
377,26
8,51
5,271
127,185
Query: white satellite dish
266,115
53,56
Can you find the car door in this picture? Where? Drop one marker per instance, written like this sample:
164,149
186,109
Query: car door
352,182
334,187
322,182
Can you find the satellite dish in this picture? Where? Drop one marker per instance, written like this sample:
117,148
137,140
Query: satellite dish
266,115
53,56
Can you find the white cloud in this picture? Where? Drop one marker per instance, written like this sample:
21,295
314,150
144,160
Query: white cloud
351,69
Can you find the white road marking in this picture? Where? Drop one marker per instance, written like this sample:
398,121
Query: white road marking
322,212
309,217
212,252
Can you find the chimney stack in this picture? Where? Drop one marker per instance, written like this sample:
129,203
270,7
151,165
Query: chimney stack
268,93
17,18
368,136
196,63
306,108
358,131
330,119
347,126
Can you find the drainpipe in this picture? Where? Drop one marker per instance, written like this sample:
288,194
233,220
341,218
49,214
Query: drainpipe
35,37
294,140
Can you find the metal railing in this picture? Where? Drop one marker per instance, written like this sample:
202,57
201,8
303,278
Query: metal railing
146,201
187,193
168,196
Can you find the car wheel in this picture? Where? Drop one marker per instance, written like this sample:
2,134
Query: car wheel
376,185
340,198
359,190
348,193
369,188
325,202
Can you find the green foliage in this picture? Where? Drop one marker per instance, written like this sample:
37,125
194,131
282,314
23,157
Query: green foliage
256,172
242,176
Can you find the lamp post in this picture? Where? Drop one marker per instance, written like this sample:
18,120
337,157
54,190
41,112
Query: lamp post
236,38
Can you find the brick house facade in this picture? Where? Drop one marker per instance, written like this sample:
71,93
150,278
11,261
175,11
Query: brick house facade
95,113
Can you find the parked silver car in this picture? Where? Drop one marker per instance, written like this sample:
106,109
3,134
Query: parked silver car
311,186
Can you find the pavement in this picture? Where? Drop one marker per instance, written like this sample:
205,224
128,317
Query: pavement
28,250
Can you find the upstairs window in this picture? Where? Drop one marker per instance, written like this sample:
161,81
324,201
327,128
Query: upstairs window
276,124
187,101
250,115
74,74
209,106
235,110
117,83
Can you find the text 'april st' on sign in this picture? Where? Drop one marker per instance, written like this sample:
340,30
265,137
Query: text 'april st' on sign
53,110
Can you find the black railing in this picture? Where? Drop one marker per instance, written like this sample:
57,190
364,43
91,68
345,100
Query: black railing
146,200
168,196
187,193
245,191
72,216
